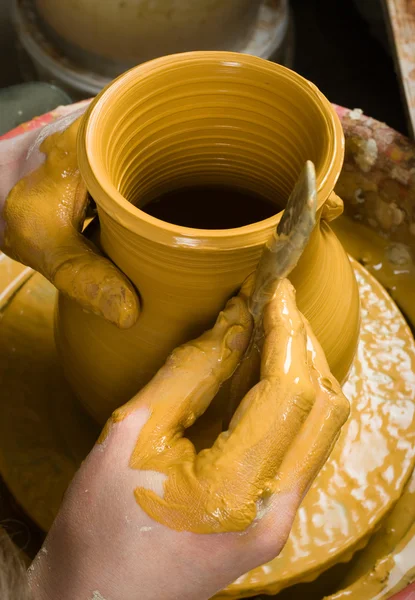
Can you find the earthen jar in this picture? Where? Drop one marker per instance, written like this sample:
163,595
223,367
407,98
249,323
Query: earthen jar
208,118
104,34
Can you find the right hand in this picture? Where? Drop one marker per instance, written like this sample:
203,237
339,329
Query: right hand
148,517
43,201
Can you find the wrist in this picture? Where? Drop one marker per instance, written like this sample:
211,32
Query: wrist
39,581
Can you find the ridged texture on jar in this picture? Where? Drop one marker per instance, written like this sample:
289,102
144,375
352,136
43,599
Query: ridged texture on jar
201,118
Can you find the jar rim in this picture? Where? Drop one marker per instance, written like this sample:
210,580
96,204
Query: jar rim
116,206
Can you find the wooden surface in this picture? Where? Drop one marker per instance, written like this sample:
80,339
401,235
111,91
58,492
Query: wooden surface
400,15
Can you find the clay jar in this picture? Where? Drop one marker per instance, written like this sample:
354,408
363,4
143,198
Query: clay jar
205,118
95,33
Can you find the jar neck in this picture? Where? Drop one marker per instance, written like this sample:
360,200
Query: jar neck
205,118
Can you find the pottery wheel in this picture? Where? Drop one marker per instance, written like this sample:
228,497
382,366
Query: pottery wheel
44,433
271,37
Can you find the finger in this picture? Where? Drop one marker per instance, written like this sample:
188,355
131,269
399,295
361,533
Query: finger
279,324
74,265
317,359
183,388
247,372
285,344
79,272
272,413
246,377
312,446
321,430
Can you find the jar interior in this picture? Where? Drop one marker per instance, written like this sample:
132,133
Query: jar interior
210,207
228,127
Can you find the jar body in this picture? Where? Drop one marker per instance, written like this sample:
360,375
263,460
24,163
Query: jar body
218,119
182,292
133,31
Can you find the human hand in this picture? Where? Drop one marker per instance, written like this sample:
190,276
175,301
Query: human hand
43,202
146,517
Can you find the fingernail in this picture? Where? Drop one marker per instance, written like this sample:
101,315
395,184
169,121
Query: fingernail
122,308
237,338
127,318
247,287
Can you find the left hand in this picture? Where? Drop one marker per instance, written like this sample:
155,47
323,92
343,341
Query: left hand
43,202
146,517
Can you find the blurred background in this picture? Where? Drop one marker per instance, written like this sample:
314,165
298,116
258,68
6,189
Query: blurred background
342,45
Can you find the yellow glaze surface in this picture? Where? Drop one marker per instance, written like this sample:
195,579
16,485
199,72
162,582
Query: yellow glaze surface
50,434
207,119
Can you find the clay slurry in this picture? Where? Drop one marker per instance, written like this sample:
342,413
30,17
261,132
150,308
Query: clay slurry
210,208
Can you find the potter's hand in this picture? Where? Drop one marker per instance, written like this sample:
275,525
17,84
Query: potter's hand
146,517
43,201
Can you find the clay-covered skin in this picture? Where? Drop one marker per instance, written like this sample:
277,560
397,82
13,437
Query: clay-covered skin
114,546
43,215
224,488
54,434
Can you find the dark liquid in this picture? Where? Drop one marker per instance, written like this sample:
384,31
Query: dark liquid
210,208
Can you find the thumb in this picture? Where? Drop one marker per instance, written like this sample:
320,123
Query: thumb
81,273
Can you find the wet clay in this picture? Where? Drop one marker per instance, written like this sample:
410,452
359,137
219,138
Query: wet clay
368,459
201,119
365,472
55,197
350,497
376,572
391,574
222,488
391,262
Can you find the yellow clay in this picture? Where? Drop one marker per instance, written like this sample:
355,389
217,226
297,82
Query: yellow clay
365,471
44,215
277,441
203,118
